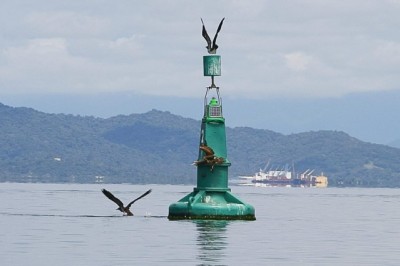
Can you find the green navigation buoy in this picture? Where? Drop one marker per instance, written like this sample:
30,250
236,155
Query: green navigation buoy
212,199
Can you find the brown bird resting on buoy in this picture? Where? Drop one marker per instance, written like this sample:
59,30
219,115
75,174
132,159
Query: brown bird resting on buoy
124,210
209,158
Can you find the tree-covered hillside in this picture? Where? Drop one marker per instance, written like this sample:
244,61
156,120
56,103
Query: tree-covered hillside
159,147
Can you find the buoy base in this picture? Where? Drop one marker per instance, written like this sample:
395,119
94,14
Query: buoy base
211,205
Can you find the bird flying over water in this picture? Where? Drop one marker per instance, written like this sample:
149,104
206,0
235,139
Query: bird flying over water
211,48
124,210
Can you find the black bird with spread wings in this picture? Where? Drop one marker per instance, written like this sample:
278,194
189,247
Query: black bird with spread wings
211,48
124,210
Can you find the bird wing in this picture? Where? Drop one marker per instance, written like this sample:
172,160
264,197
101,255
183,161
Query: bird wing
205,35
207,150
113,198
216,34
144,194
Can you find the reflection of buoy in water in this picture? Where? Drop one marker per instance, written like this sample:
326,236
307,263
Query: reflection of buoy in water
124,210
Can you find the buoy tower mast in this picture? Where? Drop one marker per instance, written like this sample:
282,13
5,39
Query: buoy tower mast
212,198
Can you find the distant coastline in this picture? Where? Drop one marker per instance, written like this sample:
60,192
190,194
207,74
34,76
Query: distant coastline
159,147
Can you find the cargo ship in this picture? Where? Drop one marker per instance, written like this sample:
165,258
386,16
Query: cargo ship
286,177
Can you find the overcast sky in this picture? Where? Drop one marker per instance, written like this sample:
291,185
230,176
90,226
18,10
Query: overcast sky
270,49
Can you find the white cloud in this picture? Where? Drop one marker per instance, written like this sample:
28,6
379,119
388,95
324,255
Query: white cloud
388,52
66,24
302,48
298,61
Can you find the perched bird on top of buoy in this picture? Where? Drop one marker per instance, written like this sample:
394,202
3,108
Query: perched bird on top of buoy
211,48
121,207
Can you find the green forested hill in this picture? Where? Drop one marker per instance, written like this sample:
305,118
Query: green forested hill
159,147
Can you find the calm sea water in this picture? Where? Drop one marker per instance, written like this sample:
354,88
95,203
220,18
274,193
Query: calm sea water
74,224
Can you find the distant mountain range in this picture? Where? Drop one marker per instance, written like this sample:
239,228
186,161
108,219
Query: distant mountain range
368,116
159,147
395,143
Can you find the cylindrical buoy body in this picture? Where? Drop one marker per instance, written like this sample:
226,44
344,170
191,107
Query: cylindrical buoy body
212,198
